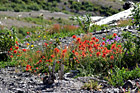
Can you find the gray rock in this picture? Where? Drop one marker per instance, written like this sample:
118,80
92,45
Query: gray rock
129,84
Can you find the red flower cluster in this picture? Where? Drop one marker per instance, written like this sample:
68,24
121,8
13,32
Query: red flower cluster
46,44
24,50
28,67
74,36
56,50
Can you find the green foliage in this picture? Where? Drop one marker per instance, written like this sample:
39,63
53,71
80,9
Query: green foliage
118,76
91,85
136,15
7,39
53,5
34,7
131,49
84,22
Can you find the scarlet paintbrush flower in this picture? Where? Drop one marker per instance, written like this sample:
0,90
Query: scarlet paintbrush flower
46,44
91,42
52,56
56,50
93,38
112,57
104,55
98,54
97,40
11,49
95,45
15,51
17,47
28,33
103,38
64,51
103,43
79,39
38,51
73,51
119,46
74,36
17,42
113,46
50,60
40,61
11,56
76,53
114,34
24,50
28,67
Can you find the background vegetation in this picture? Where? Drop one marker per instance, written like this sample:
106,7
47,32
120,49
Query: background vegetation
59,5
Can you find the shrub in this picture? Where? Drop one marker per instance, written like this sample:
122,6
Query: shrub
136,15
7,40
34,6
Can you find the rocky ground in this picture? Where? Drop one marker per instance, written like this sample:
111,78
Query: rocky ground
12,22
14,80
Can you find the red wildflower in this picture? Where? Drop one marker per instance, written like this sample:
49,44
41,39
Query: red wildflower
103,38
11,56
52,56
98,53
93,38
114,34
50,60
73,51
17,42
104,55
24,50
56,50
28,33
112,57
90,55
38,51
103,43
113,46
74,36
119,46
28,67
78,39
91,42
97,40
17,47
46,44
76,53
40,61
15,51
64,51
11,49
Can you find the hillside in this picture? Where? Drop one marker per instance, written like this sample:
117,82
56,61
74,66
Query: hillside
95,7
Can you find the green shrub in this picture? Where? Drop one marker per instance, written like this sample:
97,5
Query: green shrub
34,6
7,40
136,15
118,76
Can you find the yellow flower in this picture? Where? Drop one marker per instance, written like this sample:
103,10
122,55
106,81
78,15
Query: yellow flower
27,44
44,36
39,36
32,45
